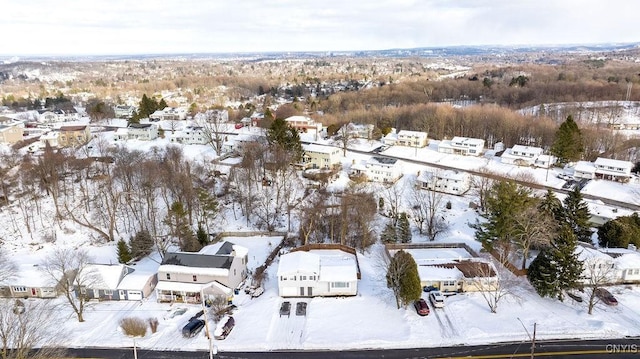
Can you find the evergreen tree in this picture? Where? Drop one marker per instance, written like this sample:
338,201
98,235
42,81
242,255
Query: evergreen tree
504,200
568,266
556,268
576,215
404,228
202,236
280,133
141,244
388,234
124,253
551,205
403,278
568,143
542,274
162,105
620,232
146,107
179,228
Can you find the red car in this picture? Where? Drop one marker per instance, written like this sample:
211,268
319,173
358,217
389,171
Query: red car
606,297
239,126
421,307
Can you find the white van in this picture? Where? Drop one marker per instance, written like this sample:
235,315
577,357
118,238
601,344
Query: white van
436,298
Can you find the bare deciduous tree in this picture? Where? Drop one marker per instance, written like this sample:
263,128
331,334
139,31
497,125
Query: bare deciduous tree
531,228
492,284
68,269
345,138
213,129
596,274
29,330
425,210
8,269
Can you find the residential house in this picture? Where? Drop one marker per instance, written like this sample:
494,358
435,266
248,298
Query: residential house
604,168
596,264
10,134
357,130
29,282
318,156
169,114
305,124
124,111
412,139
450,267
50,138
318,270
390,138
70,136
191,135
627,263
613,170
521,155
462,146
117,282
218,268
142,131
48,116
447,181
378,169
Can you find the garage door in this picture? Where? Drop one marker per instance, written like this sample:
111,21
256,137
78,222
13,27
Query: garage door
289,291
134,295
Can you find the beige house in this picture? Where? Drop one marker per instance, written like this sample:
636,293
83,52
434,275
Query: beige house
29,282
11,134
215,270
73,135
450,267
318,156
412,138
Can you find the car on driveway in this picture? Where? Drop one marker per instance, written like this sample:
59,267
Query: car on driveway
285,309
192,328
421,307
428,288
436,298
606,297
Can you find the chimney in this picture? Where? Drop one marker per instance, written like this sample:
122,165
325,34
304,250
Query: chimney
632,247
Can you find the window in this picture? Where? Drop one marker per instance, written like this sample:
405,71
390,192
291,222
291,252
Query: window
108,292
195,278
234,272
19,289
339,284
312,277
283,278
449,283
168,276
83,290
303,277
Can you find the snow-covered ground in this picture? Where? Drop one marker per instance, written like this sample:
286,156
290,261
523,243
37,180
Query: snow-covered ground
368,320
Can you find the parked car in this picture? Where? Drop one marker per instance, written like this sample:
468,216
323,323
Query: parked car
575,297
436,298
605,296
224,328
285,309
301,308
428,288
239,125
421,307
192,328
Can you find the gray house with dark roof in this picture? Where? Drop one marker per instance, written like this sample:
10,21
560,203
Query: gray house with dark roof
215,270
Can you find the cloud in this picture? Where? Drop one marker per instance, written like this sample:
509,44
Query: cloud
171,26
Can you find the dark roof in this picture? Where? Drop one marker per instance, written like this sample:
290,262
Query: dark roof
73,128
385,160
139,125
198,260
225,249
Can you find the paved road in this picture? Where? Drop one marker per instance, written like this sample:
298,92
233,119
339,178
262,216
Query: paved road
592,349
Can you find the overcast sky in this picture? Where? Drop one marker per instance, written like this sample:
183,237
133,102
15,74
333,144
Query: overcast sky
99,27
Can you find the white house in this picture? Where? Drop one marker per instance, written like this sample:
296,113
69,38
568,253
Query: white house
318,156
584,169
318,272
124,111
117,282
412,138
142,131
627,263
379,169
447,181
51,138
357,130
390,138
521,155
184,276
169,114
613,170
190,135
462,146
597,266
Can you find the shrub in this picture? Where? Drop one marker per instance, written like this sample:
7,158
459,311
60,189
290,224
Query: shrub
133,327
153,324
449,205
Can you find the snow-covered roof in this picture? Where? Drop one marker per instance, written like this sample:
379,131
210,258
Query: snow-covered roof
435,273
624,258
527,149
223,248
452,175
109,275
336,265
469,140
608,162
584,167
435,255
319,148
585,252
135,280
299,261
408,133
30,275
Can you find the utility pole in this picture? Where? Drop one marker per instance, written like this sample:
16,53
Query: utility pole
533,341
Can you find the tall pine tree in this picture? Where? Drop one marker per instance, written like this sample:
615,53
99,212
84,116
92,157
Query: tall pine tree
551,205
282,134
576,215
568,144
404,228
542,274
